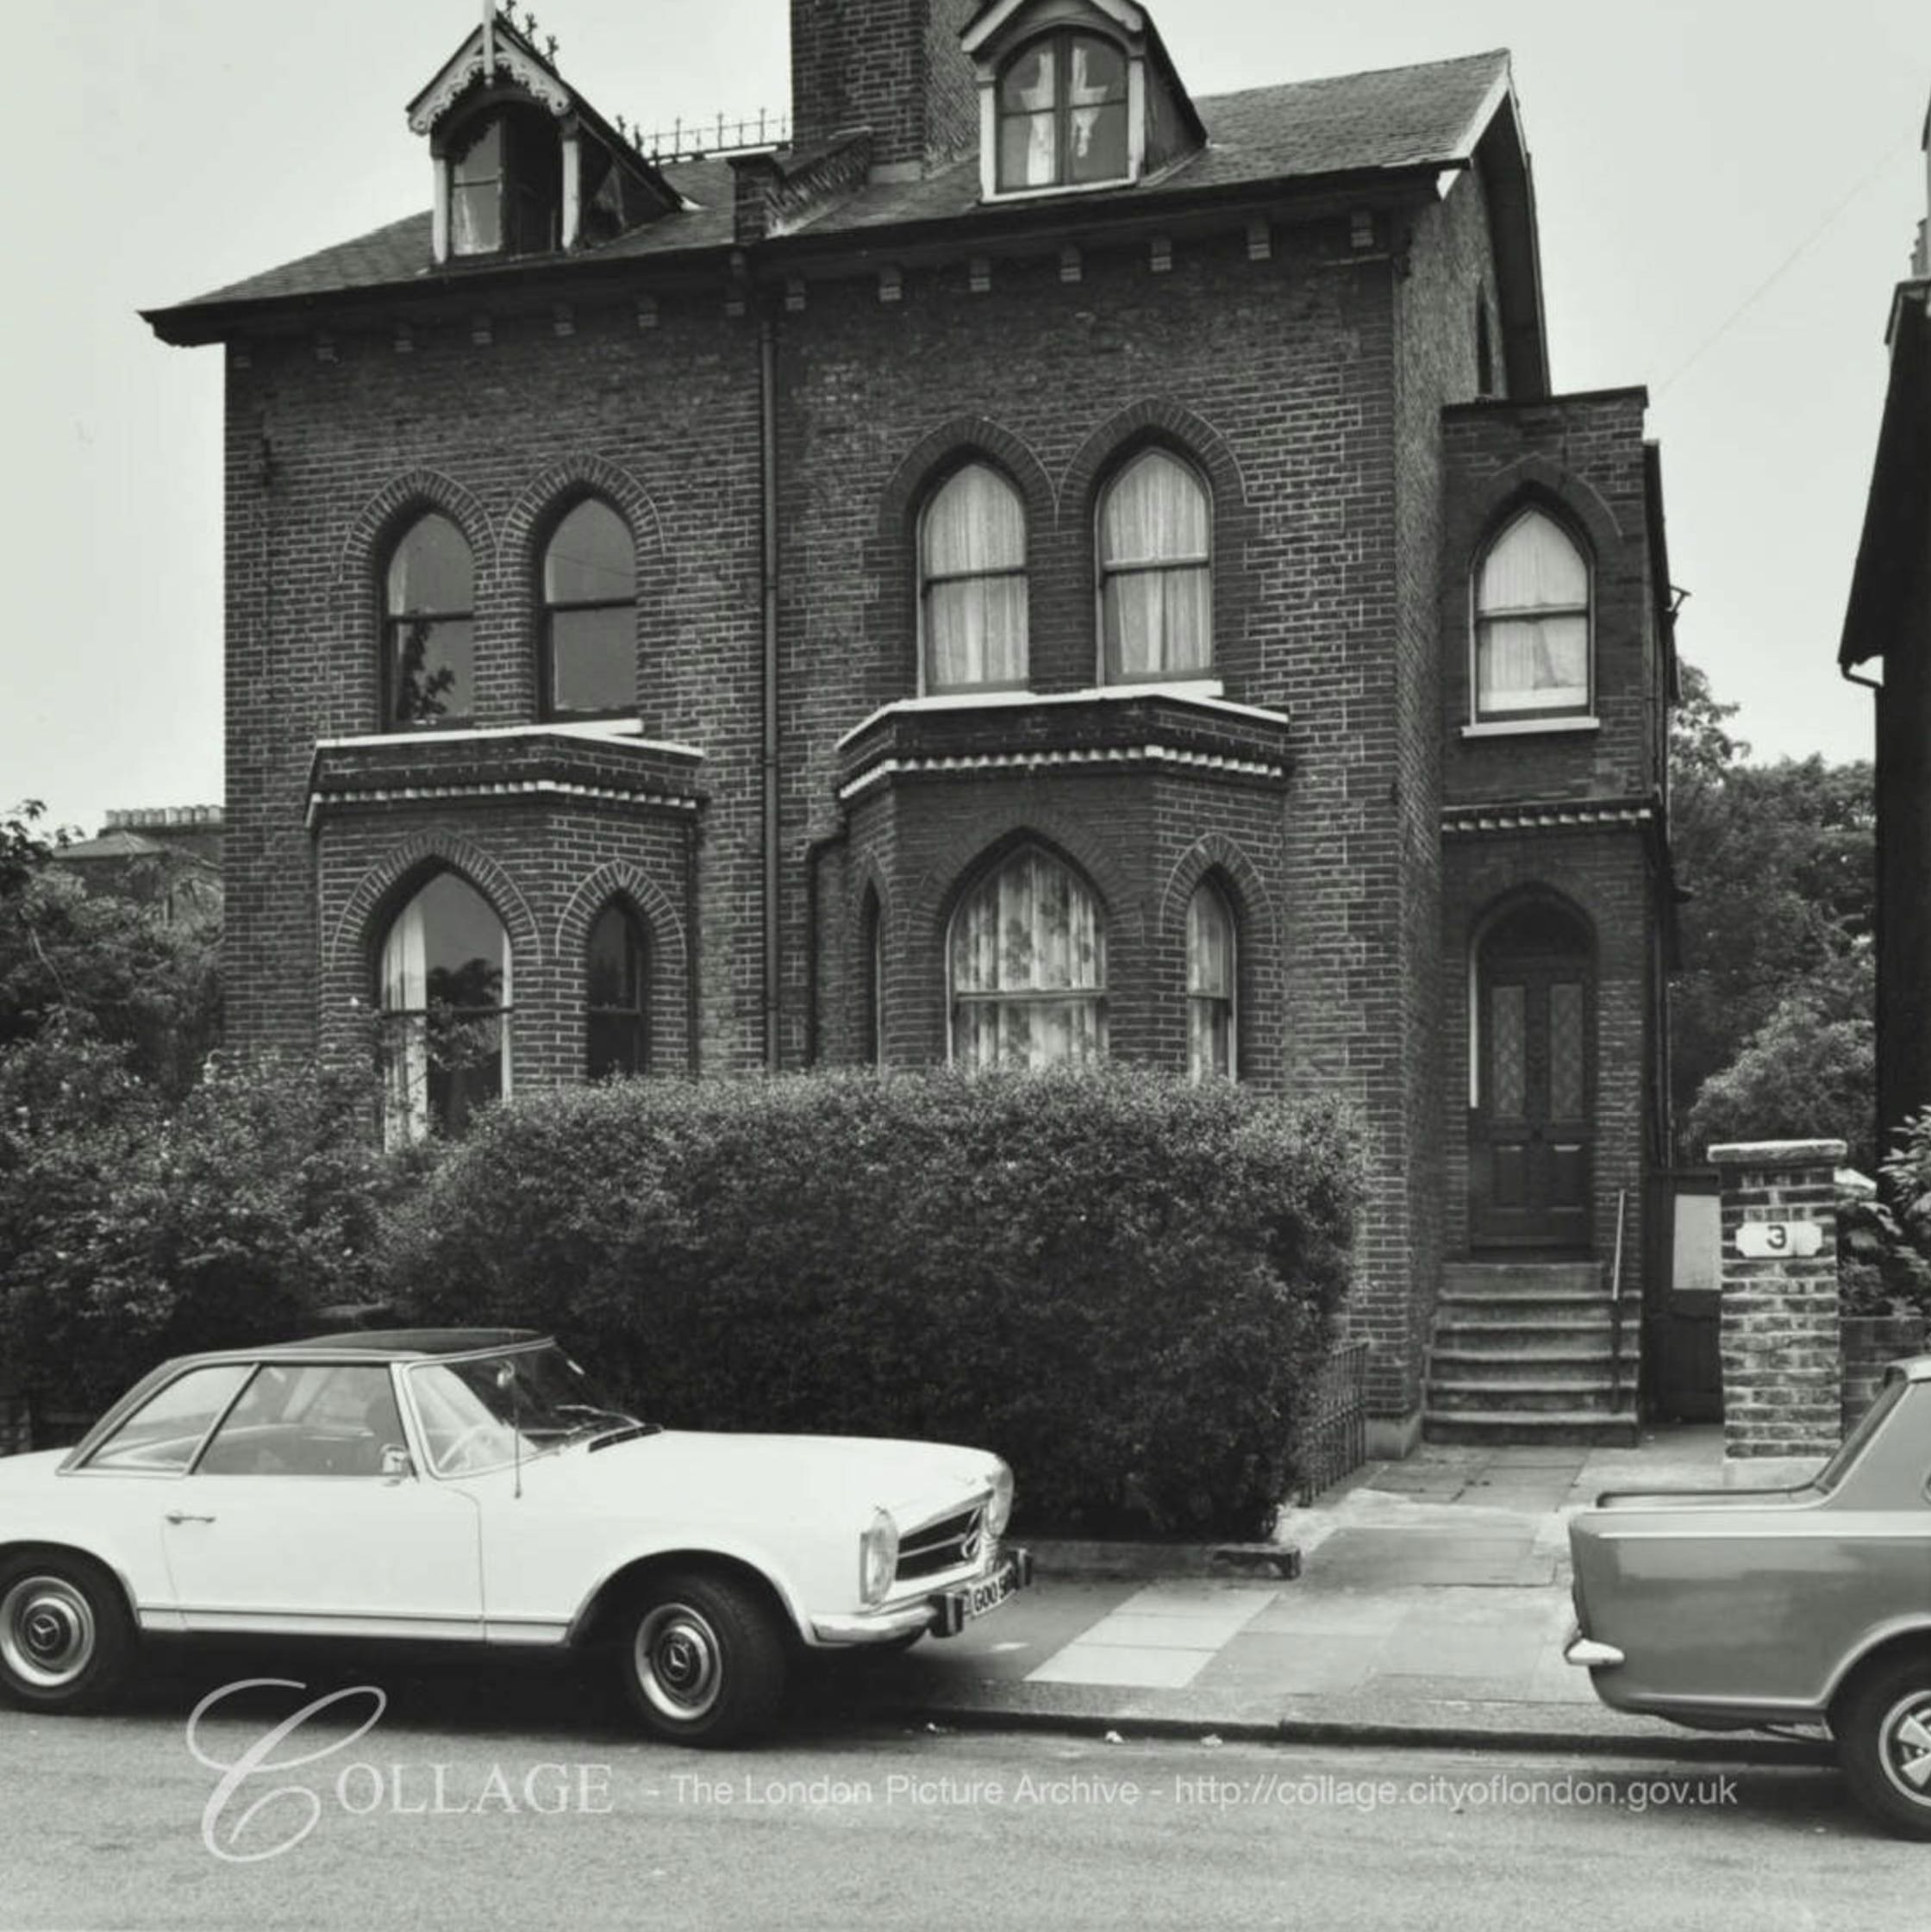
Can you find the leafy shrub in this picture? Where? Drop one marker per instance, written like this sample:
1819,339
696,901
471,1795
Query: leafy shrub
1884,1246
131,1231
1124,1284
1809,1072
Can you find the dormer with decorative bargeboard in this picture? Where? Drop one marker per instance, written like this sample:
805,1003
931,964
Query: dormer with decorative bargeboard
524,166
1075,95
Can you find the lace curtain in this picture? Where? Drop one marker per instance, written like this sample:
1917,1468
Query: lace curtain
1028,969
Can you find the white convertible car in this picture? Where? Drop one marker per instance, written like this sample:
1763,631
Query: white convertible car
469,1485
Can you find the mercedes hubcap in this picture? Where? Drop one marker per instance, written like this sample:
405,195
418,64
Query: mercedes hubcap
1905,1744
46,1632
677,1661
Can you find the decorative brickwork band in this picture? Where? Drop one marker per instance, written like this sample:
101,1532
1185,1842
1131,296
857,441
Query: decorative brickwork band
1779,1339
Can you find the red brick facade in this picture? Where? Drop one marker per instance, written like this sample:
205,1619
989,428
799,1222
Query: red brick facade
1312,352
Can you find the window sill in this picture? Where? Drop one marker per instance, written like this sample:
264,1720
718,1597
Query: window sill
1523,728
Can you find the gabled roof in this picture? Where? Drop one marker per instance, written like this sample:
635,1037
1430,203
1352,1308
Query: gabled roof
1354,128
1894,553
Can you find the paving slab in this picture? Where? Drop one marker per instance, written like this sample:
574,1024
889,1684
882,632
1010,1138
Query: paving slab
1431,1609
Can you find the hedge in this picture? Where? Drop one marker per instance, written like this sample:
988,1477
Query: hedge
1124,1284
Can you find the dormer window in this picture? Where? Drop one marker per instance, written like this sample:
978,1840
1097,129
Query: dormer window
1074,95
524,166
505,185
1062,114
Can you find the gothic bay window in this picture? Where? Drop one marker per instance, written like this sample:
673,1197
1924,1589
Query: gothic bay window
1532,623
505,183
972,584
1062,113
613,1002
1210,983
444,976
429,649
1156,572
1027,964
590,603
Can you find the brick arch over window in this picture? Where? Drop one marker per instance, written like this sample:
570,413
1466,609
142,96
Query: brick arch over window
932,897
1217,853
387,884
1162,424
892,553
394,507
619,880
1535,483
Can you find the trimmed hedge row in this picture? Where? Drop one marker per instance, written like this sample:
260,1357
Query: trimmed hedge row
1124,1284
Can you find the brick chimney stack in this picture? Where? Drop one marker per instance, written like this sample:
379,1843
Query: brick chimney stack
892,65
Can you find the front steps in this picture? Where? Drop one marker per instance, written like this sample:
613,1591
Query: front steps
1523,1354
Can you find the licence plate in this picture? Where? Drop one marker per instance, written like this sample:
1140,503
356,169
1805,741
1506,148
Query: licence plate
967,1600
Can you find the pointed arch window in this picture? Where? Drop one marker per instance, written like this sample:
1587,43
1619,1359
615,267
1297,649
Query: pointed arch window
1156,571
616,994
1028,966
590,615
429,628
1212,976
1532,622
1062,109
446,1005
972,595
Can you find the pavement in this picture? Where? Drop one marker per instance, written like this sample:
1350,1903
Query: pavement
1431,1610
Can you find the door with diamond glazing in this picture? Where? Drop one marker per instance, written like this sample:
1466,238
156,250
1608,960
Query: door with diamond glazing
1532,1134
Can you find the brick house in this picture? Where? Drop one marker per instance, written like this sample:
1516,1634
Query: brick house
1888,625
1039,566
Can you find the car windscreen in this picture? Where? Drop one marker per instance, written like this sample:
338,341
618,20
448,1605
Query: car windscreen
1845,1460
481,1411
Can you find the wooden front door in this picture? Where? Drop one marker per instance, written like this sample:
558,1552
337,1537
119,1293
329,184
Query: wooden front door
1531,1138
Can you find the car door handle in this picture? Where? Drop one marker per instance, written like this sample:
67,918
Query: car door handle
186,1516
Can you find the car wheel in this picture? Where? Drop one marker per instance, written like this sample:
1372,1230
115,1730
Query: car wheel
704,1660
1884,1743
65,1634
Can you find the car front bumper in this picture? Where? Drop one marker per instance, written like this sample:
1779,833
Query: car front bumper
944,1612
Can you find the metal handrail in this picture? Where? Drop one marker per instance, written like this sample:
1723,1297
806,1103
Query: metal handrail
1615,1304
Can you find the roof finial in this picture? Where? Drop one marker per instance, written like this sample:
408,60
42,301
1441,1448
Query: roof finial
488,40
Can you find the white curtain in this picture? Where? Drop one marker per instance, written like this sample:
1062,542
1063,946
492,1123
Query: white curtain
1027,156
405,998
1154,550
1031,930
973,562
1532,607
1210,981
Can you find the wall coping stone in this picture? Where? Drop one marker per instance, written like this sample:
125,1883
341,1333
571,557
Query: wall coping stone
1778,1154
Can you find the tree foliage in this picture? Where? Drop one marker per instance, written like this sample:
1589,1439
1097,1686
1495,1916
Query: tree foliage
105,967
1780,863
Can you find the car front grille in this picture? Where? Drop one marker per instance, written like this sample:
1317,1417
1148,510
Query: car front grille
951,1543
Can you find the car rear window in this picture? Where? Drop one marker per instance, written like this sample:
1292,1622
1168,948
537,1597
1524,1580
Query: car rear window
1845,1460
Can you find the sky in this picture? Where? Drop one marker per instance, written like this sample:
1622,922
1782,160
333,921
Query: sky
1727,192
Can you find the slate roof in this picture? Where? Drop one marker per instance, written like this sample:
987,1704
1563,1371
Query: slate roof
1396,120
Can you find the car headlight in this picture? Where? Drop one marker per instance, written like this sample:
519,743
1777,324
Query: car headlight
878,1557
998,1511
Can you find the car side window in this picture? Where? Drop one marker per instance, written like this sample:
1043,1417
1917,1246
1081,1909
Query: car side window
308,1419
162,1436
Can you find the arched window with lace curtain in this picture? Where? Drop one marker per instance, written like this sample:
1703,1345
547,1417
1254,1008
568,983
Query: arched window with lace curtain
1028,963
1156,572
972,595
590,615
1532,622
446,1005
